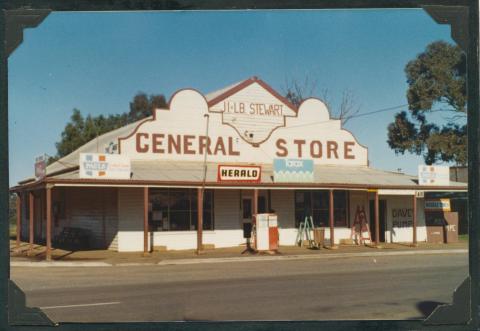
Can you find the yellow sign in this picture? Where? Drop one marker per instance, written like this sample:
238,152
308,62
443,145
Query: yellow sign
437,205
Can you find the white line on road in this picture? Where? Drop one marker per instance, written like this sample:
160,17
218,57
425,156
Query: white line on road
83,305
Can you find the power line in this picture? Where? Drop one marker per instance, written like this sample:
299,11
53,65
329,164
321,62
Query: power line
353,116
378,111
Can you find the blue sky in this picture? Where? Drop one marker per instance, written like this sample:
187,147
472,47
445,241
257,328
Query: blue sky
97,62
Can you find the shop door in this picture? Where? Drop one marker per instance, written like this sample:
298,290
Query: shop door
247,210
382,218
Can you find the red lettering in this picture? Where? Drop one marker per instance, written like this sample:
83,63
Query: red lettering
187,143
219,146
347,150
299,143
282,150
141,148
204,144
174,144
316,152
332,147
230,147
157,142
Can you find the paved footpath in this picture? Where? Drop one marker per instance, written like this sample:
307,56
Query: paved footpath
22,262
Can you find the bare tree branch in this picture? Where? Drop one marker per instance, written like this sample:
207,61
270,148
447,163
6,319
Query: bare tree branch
296,92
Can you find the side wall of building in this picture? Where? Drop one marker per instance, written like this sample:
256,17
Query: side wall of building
93,209
400,219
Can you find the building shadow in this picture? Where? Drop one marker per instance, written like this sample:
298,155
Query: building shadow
425,308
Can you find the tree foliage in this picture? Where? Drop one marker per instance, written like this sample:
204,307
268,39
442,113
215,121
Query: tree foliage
436,84
81,130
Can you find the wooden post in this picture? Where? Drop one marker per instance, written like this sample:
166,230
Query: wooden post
199,220
377,219
414,220
49,224
255,201
331,216
145,221
19,218
31,212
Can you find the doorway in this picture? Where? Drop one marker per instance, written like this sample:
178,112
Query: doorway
382,206
247,207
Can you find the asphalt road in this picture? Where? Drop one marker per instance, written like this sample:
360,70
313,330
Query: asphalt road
389,287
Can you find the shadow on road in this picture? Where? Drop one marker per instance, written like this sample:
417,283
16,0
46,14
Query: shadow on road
426,308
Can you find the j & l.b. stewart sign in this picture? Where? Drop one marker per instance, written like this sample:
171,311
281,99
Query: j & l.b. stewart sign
234,173
253,110
248,123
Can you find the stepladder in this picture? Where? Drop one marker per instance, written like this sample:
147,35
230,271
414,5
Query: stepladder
360,231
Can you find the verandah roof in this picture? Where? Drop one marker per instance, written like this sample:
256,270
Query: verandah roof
181,173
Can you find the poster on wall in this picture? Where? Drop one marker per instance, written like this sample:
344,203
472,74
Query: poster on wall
293,171
433,175
104,166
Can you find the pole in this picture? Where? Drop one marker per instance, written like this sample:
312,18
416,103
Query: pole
31,212
49,224
19,218
331,215
200,194
199,220
377,219
145,221
414,220
255,201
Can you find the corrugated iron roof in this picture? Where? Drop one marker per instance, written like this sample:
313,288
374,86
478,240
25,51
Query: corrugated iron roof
192,172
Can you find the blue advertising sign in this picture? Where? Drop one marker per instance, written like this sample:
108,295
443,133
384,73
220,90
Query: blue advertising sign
292,171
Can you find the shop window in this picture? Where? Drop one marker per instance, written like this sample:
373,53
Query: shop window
316,203
176,210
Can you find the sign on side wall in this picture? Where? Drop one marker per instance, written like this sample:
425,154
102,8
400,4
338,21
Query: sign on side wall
437,205
238,173
433,175
41,166
293,171
104,166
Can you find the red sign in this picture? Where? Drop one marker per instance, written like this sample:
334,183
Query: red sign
239,173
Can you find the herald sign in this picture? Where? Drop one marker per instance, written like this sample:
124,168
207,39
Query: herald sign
236,173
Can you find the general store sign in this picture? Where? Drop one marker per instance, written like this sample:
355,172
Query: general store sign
105,166
292,171
433,175
236,173
248,123
437,205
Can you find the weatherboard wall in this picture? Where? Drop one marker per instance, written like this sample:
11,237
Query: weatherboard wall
399,210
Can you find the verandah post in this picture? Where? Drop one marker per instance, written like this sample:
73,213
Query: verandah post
414,220
30,228
377,219
48,255
145,221
331,216
19,218
200,193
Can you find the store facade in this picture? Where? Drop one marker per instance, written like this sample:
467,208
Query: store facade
194,173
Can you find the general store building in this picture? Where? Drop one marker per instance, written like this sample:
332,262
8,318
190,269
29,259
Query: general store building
177,177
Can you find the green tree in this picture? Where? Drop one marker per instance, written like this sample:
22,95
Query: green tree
80,130
142,106
436,84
